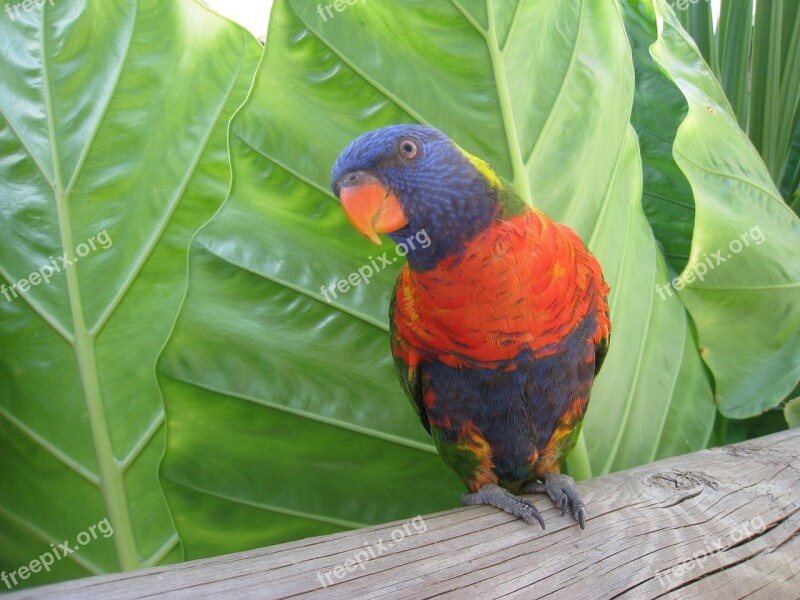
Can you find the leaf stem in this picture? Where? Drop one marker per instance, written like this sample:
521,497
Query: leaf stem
112,482
578,460
521,181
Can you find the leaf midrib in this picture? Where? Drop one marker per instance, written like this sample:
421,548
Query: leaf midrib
112,483
522,182
111,478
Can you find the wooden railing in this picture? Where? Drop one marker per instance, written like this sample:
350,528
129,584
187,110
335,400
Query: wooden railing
720,523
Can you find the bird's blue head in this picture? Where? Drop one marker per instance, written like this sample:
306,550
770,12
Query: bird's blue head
403,180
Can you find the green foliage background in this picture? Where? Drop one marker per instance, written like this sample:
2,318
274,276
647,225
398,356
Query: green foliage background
277,414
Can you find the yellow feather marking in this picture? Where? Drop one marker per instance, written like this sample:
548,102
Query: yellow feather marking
483,168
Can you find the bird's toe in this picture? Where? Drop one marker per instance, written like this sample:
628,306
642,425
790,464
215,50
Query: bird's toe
501,498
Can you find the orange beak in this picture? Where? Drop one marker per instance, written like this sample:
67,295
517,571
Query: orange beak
371,208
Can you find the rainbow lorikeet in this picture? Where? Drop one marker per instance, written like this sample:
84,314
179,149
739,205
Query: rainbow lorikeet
498,326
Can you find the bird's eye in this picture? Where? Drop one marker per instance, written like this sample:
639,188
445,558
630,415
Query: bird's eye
408,149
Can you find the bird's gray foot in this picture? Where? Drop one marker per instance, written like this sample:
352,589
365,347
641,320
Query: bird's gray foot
501,498
561,488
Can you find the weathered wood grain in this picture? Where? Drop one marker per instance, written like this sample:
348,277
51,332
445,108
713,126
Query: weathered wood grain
720,523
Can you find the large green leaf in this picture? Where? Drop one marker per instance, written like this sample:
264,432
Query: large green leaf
676,144
743,276
658,110
112,121
284,415
791,412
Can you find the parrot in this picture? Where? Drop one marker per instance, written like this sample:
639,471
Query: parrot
498,326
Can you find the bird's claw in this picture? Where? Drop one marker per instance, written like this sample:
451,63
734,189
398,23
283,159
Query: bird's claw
500,498
580,515
562,504
561,488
